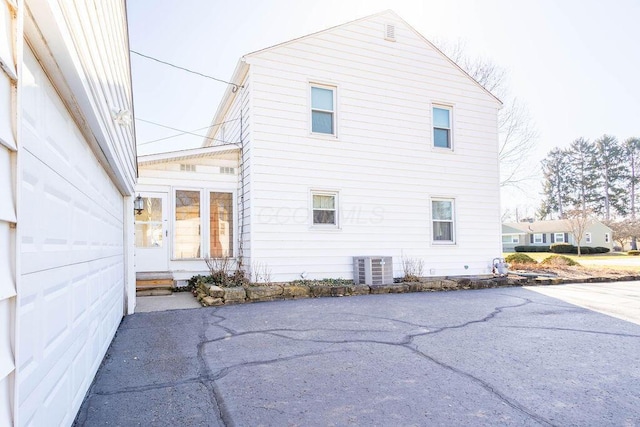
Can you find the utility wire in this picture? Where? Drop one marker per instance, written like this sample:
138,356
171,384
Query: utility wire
182,132
186,69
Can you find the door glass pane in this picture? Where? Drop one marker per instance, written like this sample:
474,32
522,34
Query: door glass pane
149,224
220,225
187,240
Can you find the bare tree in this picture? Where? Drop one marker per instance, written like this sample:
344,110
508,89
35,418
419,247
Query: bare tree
578,220
517,134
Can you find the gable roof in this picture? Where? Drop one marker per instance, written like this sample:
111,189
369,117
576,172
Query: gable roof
242,68
552,226
191,153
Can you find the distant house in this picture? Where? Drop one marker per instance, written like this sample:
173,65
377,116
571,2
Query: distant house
67,176
546,233
363,140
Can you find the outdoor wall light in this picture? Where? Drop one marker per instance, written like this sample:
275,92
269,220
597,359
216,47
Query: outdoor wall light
138,205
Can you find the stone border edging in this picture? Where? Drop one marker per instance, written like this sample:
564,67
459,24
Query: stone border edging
212,295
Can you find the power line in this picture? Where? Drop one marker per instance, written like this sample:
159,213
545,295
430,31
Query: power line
182,132
187,70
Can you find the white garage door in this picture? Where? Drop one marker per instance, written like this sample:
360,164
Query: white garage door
70,298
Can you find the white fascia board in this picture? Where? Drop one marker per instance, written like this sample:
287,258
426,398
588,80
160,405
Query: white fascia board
186,154
47,34
239,75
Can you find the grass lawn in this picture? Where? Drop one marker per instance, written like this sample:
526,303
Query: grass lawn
610,260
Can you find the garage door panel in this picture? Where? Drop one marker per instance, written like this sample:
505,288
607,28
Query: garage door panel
72,259
61,226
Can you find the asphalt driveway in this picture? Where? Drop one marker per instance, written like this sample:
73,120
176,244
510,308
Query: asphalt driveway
508,356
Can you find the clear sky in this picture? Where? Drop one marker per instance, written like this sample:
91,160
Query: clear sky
574,63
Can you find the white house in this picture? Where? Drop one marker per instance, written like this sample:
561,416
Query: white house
360,140
67,175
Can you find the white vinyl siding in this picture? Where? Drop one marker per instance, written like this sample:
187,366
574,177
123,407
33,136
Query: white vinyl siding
8,163
382,166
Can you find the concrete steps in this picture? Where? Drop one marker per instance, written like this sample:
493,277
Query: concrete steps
154,283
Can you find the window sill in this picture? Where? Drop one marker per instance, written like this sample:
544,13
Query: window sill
324,136
442,149
329,228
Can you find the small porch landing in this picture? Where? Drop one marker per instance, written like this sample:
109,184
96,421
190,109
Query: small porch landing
154,283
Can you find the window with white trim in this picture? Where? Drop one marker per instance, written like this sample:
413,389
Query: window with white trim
324,207
442,126
442,219
323,109
587,237
537,238
515,239
559,238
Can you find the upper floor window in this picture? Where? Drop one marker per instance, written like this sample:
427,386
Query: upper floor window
323,111
442,127
442,220
587,237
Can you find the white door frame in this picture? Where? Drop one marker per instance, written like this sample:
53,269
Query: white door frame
154,257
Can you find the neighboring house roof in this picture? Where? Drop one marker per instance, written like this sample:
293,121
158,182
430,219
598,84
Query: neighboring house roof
242,68
553,226
511,230
193,153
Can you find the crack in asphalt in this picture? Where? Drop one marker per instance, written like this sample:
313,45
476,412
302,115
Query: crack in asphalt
406,342
584,331
209,377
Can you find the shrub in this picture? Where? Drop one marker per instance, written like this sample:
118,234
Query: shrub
520,259
602,250
526,248
562,248
633,252
559,260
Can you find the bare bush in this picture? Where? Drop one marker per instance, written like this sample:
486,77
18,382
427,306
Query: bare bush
261,272
412,268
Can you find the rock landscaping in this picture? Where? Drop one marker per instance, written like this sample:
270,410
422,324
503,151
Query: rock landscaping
213,295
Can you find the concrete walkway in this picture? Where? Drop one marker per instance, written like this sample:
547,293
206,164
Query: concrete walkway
175,301
503,356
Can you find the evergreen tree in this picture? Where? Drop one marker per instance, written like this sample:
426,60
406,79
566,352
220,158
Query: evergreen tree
610,167
557,183
632,157
583,176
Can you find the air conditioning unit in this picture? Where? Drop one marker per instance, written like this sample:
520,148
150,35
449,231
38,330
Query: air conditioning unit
373,270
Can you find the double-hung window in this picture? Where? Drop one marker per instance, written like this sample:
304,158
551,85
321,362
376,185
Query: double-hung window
324,209
323,109
587,237
442,127
559,238
442,218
